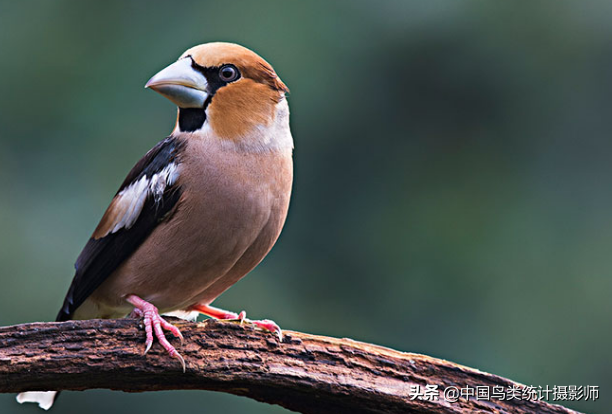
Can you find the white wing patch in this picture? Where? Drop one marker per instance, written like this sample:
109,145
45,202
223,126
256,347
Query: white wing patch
161,180
127,205
132,199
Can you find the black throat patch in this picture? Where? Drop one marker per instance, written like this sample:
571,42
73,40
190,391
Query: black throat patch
192,119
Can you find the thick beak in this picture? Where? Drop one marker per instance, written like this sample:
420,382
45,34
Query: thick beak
181,83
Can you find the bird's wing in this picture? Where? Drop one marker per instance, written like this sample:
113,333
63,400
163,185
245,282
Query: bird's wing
147,197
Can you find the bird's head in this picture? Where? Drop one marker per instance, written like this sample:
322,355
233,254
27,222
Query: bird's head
224,87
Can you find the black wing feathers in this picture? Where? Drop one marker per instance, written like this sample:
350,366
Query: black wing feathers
101,257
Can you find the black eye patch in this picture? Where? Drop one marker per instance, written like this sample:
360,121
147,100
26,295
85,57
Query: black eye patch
217,76
192,119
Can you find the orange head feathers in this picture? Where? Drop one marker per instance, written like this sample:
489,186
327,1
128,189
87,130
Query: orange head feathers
228,85
250,64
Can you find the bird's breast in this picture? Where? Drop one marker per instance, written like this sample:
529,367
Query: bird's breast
233,189
232,209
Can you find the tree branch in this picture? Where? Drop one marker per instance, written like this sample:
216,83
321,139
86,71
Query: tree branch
305,373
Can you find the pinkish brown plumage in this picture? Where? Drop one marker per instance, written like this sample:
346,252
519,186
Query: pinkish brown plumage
202,208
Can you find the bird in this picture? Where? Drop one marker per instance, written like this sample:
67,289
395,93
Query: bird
200,210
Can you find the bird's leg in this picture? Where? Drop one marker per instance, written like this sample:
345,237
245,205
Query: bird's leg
217,313
153,322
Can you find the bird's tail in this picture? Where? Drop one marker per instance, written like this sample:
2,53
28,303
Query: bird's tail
44,399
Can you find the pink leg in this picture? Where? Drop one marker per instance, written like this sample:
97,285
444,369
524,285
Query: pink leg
155,323
217,313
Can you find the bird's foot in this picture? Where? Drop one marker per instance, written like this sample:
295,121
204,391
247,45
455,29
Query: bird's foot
217,313
268,325
153,322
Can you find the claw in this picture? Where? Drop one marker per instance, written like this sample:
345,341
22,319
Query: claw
216,313
268,325
148,347
155,323
180,358
242,317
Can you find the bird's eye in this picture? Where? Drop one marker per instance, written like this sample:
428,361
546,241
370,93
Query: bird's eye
229,73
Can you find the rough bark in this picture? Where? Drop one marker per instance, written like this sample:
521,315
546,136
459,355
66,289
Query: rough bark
304,373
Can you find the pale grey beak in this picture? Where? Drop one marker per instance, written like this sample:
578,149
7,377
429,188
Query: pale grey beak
182,84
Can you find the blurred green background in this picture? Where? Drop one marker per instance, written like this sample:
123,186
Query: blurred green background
453,187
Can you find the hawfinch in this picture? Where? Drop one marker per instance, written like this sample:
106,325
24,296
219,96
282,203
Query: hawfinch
201,209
